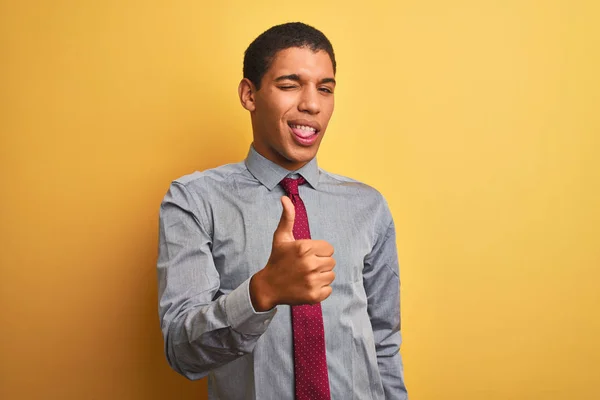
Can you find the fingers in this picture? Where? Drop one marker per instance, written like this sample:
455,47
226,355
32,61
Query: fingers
284,231
320,248
324,264
325,292
327,277
320,295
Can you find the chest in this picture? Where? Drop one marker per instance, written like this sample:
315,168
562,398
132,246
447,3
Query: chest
242,234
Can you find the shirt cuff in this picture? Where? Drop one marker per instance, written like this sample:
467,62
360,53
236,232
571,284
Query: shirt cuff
241,315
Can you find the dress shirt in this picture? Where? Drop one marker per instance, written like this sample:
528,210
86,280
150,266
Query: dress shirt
216,231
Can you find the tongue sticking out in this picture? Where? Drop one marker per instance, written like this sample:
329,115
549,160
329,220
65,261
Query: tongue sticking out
302,132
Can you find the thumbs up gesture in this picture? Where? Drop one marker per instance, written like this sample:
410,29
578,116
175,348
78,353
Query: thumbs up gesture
298,271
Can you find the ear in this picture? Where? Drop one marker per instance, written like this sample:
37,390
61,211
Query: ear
246,91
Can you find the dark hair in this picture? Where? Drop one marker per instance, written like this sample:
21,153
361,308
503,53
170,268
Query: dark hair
260,53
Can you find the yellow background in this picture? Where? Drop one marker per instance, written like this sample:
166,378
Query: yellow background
478,120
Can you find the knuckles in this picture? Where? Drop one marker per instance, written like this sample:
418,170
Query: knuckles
303,247
314,297
309,281
332,276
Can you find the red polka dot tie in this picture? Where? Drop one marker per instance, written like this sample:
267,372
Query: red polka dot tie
310,362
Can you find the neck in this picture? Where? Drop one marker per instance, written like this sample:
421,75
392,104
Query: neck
278,159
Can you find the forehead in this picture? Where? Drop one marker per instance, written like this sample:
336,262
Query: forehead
301,61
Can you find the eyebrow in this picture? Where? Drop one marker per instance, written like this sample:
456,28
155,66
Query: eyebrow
296,78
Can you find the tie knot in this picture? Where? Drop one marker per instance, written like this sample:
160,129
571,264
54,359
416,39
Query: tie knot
290,185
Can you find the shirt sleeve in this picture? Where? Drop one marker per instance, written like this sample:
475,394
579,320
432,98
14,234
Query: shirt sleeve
202,327
382,286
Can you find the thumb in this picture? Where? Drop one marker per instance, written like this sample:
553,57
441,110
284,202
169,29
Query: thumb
284,231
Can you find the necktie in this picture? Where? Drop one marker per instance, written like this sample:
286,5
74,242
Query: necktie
310,362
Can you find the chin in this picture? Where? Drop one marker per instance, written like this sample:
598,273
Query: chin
299,155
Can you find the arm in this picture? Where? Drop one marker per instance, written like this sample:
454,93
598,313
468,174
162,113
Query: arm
382,285
202,327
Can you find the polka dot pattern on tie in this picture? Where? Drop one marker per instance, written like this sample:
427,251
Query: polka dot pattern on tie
310,362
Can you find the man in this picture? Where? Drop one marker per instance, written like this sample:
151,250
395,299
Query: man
247,289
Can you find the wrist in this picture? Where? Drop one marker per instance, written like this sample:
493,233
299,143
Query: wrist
260,293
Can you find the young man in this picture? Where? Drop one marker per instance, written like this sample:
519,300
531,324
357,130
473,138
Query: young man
247,289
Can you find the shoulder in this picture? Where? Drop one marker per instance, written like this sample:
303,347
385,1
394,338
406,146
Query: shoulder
199,181
341,183
367,201
195,193
197,189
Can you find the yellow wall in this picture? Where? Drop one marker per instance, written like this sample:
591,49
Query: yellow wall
477,119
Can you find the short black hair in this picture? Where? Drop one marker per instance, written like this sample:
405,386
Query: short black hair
260,53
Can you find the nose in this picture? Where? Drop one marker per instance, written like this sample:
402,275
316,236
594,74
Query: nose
309,101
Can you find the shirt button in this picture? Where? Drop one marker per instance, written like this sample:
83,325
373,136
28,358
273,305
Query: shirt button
266,321
240,353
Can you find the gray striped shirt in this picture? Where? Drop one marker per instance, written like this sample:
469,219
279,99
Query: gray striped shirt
216,230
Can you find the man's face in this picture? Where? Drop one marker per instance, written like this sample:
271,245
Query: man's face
293,106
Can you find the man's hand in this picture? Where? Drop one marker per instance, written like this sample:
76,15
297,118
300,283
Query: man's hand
298,271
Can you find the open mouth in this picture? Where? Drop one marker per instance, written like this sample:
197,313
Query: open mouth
304,134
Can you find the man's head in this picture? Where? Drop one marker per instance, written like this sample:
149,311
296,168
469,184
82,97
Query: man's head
288,86
260,53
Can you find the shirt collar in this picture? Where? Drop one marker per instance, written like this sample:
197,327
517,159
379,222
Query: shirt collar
270,174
